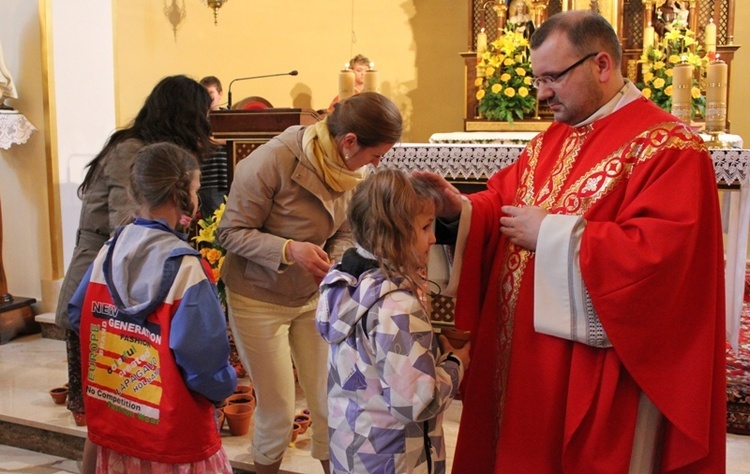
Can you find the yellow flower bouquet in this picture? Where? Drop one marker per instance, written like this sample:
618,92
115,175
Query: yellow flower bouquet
504,89
658,61
210,248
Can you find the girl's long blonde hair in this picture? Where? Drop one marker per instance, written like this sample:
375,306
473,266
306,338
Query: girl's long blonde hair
382,216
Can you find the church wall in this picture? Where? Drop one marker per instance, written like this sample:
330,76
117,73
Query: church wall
415,46
739,93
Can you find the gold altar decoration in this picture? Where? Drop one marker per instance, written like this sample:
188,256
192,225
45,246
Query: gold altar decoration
504,89
658,63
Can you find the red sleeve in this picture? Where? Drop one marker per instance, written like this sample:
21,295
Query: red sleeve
482,244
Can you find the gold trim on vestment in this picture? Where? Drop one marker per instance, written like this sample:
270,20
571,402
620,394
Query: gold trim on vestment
575,198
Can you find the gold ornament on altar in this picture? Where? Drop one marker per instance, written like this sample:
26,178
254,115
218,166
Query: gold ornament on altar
504,90
677,46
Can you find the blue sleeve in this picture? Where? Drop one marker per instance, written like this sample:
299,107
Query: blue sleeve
200,343
75,306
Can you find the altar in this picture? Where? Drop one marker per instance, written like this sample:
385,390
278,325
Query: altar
468,166
641,27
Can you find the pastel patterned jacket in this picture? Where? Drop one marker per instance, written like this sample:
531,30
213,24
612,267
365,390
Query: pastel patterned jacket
387,381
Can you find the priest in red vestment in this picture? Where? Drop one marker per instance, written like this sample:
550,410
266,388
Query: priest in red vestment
592,281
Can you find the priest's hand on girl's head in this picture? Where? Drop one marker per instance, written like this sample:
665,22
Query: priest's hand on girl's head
448,203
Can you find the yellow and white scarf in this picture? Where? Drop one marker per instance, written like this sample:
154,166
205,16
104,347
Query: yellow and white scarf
321,151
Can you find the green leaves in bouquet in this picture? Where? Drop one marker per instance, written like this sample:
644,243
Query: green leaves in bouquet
211,250
676,46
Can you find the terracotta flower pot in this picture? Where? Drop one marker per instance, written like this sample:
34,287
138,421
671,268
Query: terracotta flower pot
59,394
80,418
456,337
241,399
296,428
238,417
303,421
220,417
244,389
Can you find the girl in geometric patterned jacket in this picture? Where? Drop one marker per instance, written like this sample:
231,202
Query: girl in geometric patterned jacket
388,379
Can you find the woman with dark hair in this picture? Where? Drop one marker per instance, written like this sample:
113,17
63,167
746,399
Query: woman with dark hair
284,225
176,111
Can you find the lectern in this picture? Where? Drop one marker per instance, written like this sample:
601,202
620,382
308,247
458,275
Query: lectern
246,130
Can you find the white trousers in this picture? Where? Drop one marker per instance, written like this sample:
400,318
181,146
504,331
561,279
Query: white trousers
268,338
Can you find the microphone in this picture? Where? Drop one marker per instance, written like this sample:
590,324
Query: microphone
229,89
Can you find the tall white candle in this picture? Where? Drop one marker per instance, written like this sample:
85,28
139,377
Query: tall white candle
648,37
481,42
371,79
717,74
710,37
682,82
346,83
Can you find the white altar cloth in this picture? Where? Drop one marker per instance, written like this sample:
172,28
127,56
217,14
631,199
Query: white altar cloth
476,162
522,138
494,138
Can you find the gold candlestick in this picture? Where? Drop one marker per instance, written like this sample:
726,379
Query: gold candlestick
715,142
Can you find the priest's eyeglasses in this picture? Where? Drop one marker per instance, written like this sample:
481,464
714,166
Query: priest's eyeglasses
547,80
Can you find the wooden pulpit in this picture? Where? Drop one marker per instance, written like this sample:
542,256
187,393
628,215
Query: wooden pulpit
246,130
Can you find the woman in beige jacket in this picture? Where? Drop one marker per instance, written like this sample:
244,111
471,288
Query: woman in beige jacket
284,226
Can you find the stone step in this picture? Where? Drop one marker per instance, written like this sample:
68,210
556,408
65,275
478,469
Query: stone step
50,330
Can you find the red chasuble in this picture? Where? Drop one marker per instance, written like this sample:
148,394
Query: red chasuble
652,261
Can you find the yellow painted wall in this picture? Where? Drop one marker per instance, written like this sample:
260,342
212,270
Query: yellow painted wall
739,93
415,46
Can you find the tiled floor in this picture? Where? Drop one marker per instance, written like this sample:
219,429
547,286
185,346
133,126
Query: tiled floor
21,460
31,365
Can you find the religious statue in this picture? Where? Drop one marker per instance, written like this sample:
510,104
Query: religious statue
7,87
520,20
668,12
